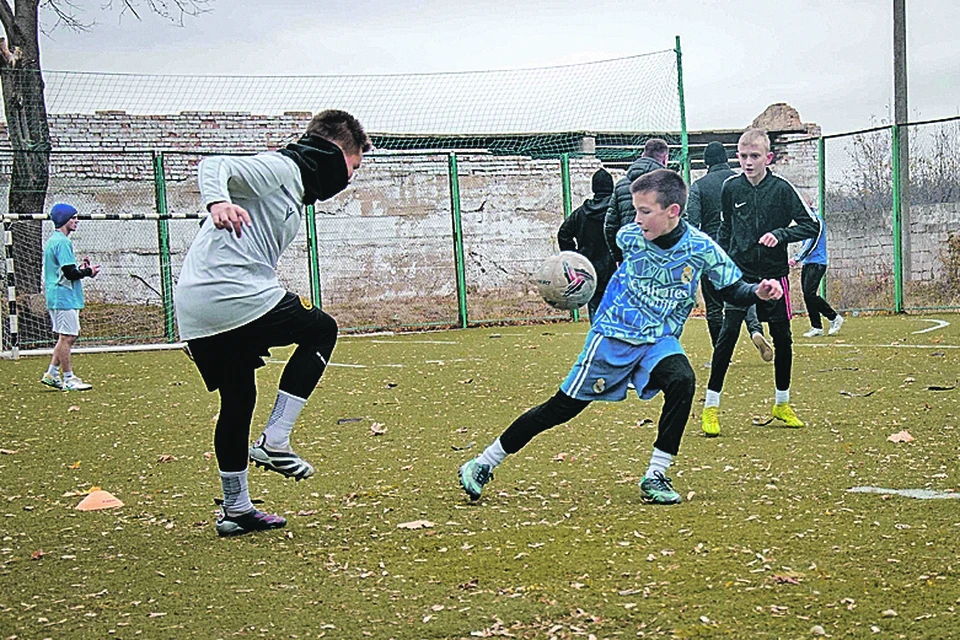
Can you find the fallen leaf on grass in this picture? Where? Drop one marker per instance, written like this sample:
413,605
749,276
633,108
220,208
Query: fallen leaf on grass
901,436
644,422
464,447
378,429
73,408
936,387
75,465
761,421
346,420
80,492
415,524
851,394
208,454
166,457
36,555
560,457
7,452
779,579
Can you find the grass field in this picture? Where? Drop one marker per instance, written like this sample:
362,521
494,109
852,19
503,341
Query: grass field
768,543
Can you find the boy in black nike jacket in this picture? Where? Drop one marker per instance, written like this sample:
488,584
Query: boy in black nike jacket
762,214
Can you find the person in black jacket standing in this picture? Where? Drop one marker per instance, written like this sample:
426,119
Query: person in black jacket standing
762,214
703,212
583,232
621,211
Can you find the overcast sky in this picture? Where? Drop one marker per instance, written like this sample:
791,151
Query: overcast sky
832,60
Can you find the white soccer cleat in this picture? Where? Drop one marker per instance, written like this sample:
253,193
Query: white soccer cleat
51,381
76,384
813,333
286,463
835,325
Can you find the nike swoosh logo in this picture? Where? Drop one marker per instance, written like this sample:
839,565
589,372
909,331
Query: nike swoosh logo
737,205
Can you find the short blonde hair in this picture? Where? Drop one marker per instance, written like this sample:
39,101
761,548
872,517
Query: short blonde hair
755,136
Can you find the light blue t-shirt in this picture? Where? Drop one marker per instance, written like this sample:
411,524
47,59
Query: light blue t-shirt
654,290
60,292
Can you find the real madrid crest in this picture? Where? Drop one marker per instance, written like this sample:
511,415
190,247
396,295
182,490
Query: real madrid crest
306,302
599,385
687,276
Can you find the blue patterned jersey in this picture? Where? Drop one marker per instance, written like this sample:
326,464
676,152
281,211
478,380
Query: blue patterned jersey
653,291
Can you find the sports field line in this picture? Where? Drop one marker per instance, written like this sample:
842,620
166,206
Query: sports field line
350,365
844,345
937,324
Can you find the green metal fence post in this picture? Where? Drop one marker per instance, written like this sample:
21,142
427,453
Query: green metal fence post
684,140
567,204
313,258
821,195
163,244
458,260
897,224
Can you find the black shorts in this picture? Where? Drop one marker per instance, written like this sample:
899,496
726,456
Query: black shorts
772,310
243,349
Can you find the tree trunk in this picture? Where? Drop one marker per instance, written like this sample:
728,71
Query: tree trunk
29,133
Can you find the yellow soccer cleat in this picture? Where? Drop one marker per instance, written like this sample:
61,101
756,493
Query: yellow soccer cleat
710,421
784,412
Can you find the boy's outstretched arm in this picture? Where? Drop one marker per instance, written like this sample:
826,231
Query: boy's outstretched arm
743,294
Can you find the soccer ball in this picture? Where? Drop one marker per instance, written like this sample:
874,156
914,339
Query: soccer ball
567,280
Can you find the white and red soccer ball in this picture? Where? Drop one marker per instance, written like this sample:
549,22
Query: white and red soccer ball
566,280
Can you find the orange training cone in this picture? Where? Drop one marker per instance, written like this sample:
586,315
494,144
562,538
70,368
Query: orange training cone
99,499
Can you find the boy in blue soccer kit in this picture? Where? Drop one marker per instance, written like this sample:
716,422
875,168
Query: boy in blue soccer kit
63,289
634,338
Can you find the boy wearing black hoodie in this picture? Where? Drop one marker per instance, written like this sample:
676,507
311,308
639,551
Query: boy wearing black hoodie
231,308
583,232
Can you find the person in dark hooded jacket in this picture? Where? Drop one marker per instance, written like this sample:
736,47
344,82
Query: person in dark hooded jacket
583,232
621,211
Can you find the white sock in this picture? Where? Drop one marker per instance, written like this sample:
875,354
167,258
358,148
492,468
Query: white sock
493,455
236,496
280,424
67,375
713,399
659,461
53,371
782,396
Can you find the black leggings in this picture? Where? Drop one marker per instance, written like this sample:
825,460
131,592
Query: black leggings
810,277
673,375
315,334
723,353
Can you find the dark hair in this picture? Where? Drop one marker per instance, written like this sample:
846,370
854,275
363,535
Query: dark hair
667,184
342,129
655,147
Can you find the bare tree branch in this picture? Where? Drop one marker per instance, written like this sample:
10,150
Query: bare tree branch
6,17
65,13
173,10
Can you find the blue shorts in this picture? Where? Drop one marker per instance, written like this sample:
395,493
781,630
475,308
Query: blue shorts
607,365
